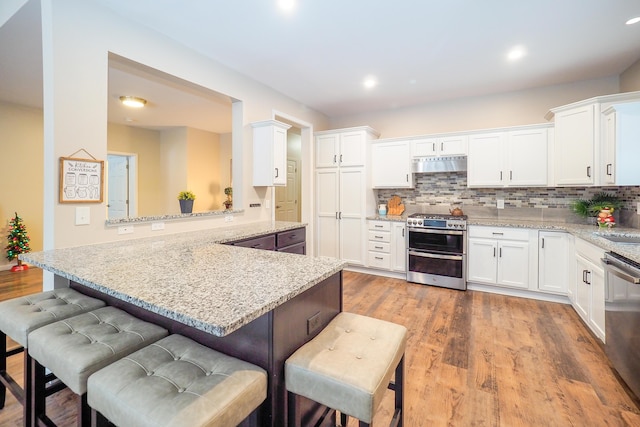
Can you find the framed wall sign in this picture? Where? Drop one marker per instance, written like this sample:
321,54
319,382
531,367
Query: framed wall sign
81,180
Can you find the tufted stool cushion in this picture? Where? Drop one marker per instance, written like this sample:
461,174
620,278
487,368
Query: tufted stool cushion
76,347
177,382
348,366
20,316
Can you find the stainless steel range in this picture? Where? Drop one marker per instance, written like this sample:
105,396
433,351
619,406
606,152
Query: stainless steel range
436,246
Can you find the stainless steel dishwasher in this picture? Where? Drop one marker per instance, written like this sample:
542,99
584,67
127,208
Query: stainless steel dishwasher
622,317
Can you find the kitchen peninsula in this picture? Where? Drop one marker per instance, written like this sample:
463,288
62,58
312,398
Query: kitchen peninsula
256,305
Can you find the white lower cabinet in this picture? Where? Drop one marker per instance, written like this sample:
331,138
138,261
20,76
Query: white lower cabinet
553,259
590,287
386,246
499,256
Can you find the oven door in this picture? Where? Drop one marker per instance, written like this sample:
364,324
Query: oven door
434,240
446,270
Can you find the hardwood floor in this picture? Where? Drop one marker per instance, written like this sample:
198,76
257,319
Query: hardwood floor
473,359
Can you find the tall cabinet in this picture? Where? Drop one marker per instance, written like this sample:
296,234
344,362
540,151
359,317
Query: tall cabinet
344,197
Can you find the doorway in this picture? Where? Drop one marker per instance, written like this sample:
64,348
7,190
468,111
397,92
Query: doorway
121,185
288,198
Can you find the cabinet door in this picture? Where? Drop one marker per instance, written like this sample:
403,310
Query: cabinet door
574,146
596,312
482,261
608,172
352,215
391,165
453,145
527,158
513,264
327,147
398,247
424,147
583,292
279,156
485,160
552,262
352,149
327,198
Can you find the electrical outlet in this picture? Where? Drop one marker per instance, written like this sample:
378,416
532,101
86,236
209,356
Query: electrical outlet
155,226
500,203
267,203
83,215
228,218
125,229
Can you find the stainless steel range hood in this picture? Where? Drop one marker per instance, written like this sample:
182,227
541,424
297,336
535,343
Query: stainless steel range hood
440,164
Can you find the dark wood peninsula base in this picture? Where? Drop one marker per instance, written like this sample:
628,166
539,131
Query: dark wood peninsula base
267,341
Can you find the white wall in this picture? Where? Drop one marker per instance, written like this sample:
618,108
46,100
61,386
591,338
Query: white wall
75,73
505,109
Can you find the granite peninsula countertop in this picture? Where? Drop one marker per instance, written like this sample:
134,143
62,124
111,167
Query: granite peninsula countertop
192,278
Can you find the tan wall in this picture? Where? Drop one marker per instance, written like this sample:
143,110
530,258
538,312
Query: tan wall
173,158
506,109
21,173
630,78
145,144
203,173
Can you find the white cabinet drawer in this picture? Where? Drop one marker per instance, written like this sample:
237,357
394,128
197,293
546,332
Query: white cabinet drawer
379,236
498,233
379,260
379,247
380,225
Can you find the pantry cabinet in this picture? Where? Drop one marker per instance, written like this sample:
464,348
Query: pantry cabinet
269,153
509,158
344,197
391,164
499,256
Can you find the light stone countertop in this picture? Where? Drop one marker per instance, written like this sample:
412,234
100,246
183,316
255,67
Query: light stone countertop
190,277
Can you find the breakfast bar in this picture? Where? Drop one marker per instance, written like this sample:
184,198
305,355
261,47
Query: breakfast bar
256,305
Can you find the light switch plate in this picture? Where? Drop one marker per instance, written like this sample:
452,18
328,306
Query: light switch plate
125,229
500,203
155,226
83,215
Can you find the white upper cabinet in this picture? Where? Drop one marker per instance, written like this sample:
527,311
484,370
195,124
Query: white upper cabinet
345,148
575,146
621,144
391,164
454,145
509,158
269,153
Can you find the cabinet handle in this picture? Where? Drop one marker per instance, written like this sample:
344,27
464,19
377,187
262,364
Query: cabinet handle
434,147
589,171
494,252
500,175
340,158
339,215
510,175
277,172
378,247
378,226
442,146
588,277
380,258
497,234
403,232
335,158
500,253
377,237
407,177
543,243
336,215
609,169
584,276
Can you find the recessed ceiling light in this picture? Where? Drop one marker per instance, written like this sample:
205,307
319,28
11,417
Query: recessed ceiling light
633,20
370,82
516,53
287,5
133,101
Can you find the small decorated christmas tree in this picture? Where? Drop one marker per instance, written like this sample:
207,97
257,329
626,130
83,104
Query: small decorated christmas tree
18,242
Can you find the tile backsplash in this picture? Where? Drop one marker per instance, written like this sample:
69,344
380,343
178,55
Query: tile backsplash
440,191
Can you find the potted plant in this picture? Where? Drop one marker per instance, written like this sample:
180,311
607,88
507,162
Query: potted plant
228,203
590,208
186,199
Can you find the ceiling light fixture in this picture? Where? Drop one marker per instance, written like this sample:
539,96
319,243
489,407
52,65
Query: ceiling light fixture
516,53
286,5
633,20
370,82
133,101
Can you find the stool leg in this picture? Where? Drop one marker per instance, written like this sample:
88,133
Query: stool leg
399,394
28,388
84,412
37,393
292,409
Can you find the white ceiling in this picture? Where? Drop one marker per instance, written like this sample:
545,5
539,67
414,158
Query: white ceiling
420,51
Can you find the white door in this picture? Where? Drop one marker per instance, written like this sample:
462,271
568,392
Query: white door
327,150
117,186
351,215
597,312
485,160
482,260
279,156
582,291
527,158
574,144
287,197
552,262
453,145
513,264
399,247
352,149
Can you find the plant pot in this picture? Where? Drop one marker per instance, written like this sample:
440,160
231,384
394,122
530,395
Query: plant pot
186,206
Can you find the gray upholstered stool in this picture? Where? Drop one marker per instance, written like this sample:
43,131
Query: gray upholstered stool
177,382
76,347
348,366
20,316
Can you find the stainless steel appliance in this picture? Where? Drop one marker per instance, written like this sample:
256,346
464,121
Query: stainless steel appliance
622,317
439,164
436,250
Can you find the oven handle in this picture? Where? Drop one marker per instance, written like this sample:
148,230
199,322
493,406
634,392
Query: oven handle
613,268
438,256
436,231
